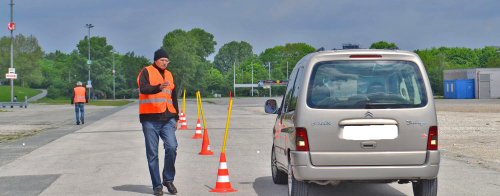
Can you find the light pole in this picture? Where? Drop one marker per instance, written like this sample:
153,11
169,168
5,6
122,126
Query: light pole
252,78
269,78
114,74
88,62
11,50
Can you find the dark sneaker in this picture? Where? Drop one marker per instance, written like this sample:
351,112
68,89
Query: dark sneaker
77,123
170,187
158,191
83,122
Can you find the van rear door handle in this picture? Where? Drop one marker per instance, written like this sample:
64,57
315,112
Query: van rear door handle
369,144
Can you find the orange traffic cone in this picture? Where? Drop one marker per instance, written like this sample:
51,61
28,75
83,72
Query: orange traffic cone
197,134
223,185
182,120
205,147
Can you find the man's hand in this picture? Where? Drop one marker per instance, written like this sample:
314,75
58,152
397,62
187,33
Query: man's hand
175,125
72,104
164,84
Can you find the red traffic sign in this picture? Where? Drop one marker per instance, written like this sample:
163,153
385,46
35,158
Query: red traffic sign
10,76
12,26
113,71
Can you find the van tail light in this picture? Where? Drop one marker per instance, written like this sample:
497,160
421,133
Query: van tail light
432,143
301,138
365,56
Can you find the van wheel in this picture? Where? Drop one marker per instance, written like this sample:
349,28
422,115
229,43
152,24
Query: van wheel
425,187
279,177
296,188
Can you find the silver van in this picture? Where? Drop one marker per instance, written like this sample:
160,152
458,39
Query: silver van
356,116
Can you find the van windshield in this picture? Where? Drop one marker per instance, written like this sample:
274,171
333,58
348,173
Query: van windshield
366,85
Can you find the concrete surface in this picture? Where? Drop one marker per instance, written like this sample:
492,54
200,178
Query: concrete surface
107,157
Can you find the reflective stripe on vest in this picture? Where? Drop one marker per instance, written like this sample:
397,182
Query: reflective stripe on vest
79,94
159,102
155,101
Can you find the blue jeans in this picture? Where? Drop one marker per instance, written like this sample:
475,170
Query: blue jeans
166,131
78,107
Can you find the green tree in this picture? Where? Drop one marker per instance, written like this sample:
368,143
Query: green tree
27,56
232,53
493,62
206,43
102,65
214,81
182,48
188,64
434,62
4,54
485,54
383,45
130,67
282,60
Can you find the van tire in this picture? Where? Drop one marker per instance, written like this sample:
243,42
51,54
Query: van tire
425,187
279,177
296,188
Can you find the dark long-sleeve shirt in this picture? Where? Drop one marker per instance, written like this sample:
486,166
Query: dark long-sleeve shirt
73,97
146,88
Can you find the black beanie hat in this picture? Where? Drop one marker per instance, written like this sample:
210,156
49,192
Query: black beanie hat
160,53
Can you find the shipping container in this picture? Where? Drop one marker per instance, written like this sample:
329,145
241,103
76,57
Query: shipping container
459,89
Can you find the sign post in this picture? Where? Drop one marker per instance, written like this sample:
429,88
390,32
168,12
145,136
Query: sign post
11,27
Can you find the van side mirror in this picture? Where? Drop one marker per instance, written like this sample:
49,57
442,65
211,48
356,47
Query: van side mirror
270,106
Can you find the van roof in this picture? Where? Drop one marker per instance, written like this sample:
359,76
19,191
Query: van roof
344,53
364,51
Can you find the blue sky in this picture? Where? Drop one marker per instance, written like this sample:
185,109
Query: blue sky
140,26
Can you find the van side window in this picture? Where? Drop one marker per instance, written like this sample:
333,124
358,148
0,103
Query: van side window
293,102
288,92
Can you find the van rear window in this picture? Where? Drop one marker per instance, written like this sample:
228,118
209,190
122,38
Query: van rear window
366,85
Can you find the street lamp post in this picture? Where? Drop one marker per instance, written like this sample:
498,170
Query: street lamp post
269,78
252,78
89,26
114,74
11,50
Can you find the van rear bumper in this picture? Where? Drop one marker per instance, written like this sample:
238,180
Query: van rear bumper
304,170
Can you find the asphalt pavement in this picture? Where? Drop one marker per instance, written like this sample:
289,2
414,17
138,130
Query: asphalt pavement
107,157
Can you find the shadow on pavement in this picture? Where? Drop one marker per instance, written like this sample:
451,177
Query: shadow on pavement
135,188
265,186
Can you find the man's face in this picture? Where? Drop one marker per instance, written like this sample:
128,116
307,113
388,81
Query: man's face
162,63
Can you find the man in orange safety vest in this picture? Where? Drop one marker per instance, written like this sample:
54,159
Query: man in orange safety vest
78,98
158,114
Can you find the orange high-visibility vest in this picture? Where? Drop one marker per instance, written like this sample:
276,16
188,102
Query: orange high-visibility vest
79,94
159,102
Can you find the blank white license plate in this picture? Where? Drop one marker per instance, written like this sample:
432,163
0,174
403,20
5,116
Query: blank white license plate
370,132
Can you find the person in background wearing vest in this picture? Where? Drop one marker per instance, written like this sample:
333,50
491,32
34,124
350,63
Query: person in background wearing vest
158,114
79,97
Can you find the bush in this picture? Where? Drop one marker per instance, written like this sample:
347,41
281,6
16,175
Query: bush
128,93
98,94
53,92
